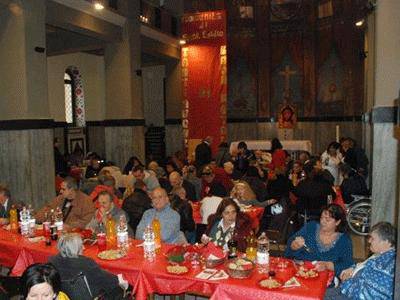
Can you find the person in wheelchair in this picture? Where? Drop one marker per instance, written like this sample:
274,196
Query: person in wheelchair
325,242
72,267
352,184
374,277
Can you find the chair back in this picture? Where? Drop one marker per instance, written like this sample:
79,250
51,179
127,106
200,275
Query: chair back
77,288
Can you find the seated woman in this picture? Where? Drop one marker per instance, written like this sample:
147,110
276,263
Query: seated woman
42,281
107,206
325,242
70,263
228,223
244,195
374,277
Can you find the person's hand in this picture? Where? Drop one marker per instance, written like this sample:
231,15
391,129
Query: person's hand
297,243
271,201
324,265
205,239
346,274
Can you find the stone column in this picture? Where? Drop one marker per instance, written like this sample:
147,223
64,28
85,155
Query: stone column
26,136
124,124
385,180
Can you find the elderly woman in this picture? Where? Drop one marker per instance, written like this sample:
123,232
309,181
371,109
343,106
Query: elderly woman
244,195
107,206
70,263
227,223
42,281
374,277
325,242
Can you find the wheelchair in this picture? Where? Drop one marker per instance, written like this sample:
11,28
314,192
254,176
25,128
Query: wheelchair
359,215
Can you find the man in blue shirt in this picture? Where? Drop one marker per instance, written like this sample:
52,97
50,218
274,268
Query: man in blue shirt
169,219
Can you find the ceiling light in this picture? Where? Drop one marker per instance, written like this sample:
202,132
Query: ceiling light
182,42
360,23
98,6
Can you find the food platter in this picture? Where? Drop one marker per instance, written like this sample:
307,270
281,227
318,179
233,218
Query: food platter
270,283
305,273
111,254
177,269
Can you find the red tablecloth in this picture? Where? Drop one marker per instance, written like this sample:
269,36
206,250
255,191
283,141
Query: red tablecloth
147,278
255,214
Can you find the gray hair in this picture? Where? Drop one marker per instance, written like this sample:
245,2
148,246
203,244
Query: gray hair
70,245
386,232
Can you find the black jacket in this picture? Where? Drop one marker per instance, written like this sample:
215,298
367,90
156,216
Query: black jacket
98,279
189,188
184,208
202,154
313,194
135,205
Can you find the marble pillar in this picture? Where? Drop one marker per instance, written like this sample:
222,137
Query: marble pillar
26,154
385,179
27,164
122,142
173,139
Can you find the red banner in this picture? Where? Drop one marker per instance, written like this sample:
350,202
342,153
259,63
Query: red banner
204,76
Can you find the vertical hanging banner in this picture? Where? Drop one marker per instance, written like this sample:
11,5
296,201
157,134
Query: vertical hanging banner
204,77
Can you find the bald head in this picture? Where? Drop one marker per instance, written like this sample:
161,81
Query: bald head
159,198
175,179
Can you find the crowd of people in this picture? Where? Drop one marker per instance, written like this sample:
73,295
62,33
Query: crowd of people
221,186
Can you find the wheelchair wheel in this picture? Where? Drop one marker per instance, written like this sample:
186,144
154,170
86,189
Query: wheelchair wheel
359,217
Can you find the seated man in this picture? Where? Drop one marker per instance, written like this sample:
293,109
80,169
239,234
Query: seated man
169,219
147,177
176,181
77,207
5,204
136,204
210,180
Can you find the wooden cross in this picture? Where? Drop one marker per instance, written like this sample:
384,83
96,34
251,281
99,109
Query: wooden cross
287,73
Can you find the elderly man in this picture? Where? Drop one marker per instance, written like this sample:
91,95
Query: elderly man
169,219
77,207
176,181
5,205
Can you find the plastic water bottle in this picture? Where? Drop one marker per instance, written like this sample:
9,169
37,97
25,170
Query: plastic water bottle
149,246
24,218
32,222
122,233
263,254
58,220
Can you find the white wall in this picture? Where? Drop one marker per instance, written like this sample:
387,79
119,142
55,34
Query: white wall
91,68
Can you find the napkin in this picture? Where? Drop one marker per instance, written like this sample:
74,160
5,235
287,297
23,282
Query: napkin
292,282
211,251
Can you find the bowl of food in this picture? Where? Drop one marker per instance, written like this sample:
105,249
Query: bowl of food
239,267
213,262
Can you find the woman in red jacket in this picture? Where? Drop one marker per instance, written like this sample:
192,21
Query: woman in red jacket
278,155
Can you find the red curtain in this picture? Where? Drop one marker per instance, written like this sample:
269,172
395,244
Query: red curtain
204,76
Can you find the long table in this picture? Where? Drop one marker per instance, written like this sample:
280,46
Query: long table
148,278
